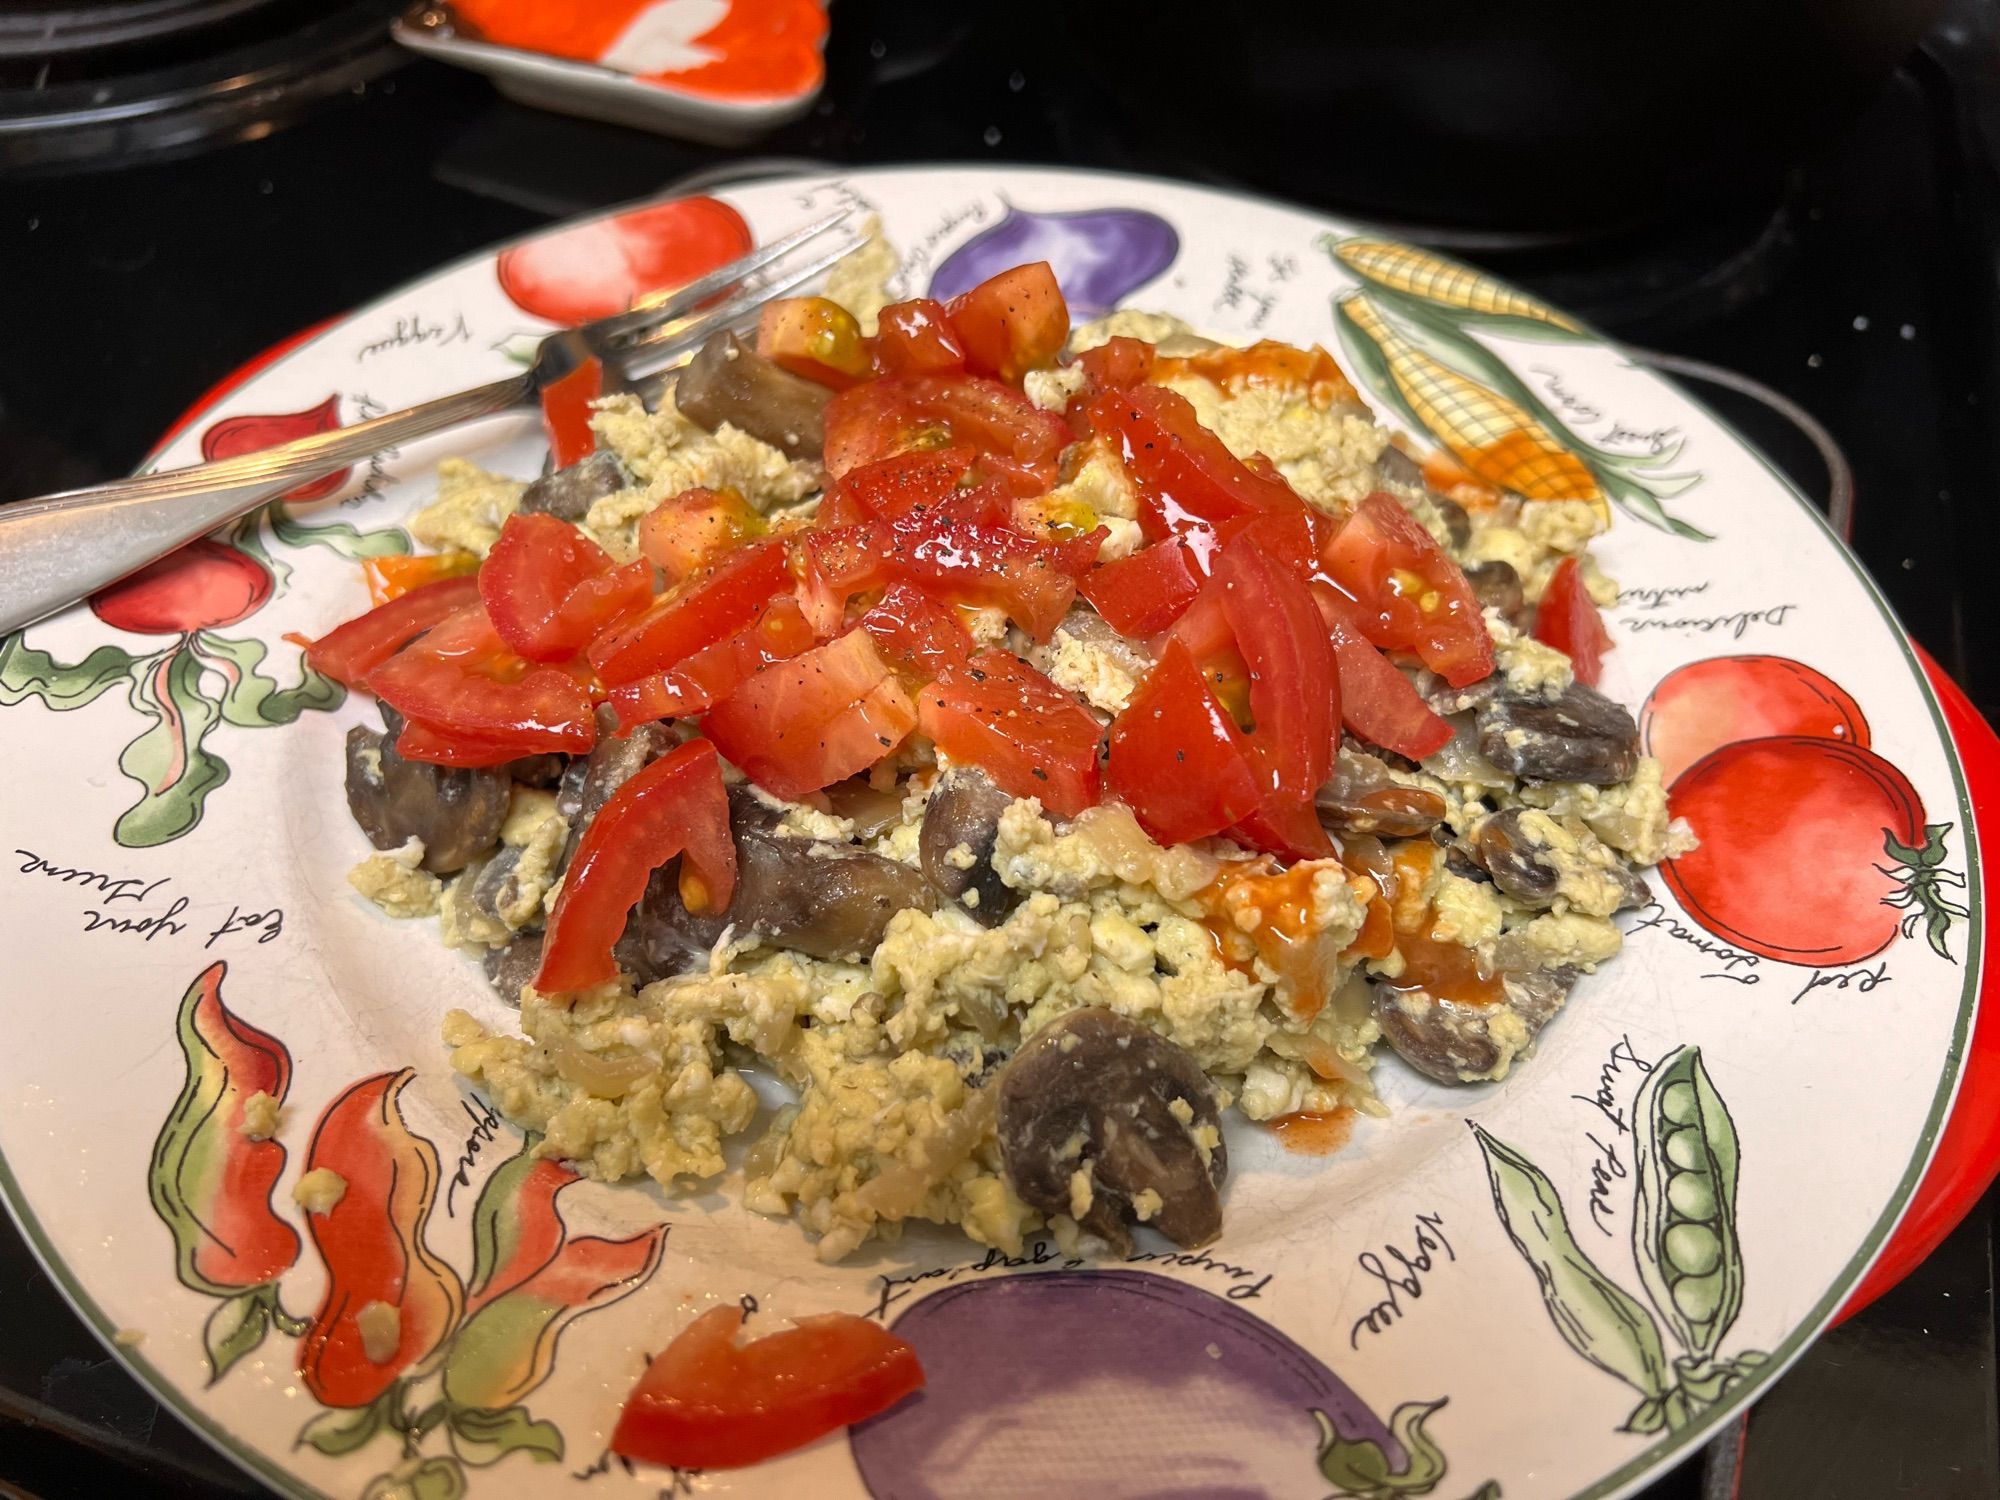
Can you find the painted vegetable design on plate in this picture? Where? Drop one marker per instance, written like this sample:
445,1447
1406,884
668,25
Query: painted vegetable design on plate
200,679
1132,1385
1684,1241
607,265
424,1369
1410,331
1100,255
1770,762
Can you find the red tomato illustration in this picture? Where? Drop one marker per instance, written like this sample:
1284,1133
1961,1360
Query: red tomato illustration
203,585
1708,704
606,265
1792,864
250,433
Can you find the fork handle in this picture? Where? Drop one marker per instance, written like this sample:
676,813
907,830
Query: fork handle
64,547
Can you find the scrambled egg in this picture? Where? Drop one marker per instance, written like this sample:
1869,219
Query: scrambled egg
470,508
860,283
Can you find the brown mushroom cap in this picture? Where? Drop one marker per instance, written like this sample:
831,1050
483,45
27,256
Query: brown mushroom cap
728,381
1580,736
1095,1092
457,814
963,811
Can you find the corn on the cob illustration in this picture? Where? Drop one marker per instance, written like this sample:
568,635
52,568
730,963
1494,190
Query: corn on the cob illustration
1443,283
1497,440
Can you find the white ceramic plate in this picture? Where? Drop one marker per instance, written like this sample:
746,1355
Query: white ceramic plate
1553,1286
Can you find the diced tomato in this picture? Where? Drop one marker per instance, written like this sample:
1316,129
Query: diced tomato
1410,595
1294,690
549,589
1376,701
676,805
393,576
1177,760
566,413
348,653
806,723
916,632
916,338
704,609
684,530
463,681
1143,594
814,337
714,672
426,742
709,1401
970,562
885,417
891,487
1190,485
1030,736
1567,619
1012,323
1115,365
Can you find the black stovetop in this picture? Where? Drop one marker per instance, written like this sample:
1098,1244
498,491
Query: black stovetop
1866,292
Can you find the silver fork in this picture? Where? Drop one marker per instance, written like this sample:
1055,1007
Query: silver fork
64,547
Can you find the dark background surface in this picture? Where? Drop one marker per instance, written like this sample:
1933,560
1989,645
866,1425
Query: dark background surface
1863,286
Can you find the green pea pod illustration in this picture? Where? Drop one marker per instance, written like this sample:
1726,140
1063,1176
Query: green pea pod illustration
1596,1317
211,1184
1684,1215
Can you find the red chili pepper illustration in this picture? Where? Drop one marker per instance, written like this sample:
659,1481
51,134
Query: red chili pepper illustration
211,1184
252,432
373,1244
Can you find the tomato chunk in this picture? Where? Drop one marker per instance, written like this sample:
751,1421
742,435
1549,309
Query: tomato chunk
814,337
710,1401
967,561
916,338
1376,701
1012,323
1190,485
1177,760
1409,594
704,609
816,719
916,632
549,589
683,531
676,805
393,576
892,487
1567,619
440,747
461,679
1030,736
895,415
1115,365
348,653
714,672
1143,594
566,413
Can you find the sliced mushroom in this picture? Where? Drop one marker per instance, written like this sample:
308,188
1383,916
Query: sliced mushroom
1581,736
869,808
955,846
567,494
1088,1127
1457,521
457,814
1363,797
1456,1041
1497,586
829,900
1394,466
728,381
1521,864
541,771
510,968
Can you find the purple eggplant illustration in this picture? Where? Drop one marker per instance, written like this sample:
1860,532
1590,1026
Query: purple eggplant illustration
1100,255
1119,1384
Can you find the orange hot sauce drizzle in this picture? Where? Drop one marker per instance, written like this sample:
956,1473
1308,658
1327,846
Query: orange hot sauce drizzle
1445,970
1314,1132
1282,936
1267,362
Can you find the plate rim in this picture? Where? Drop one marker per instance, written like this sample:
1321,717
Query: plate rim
1650,1461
